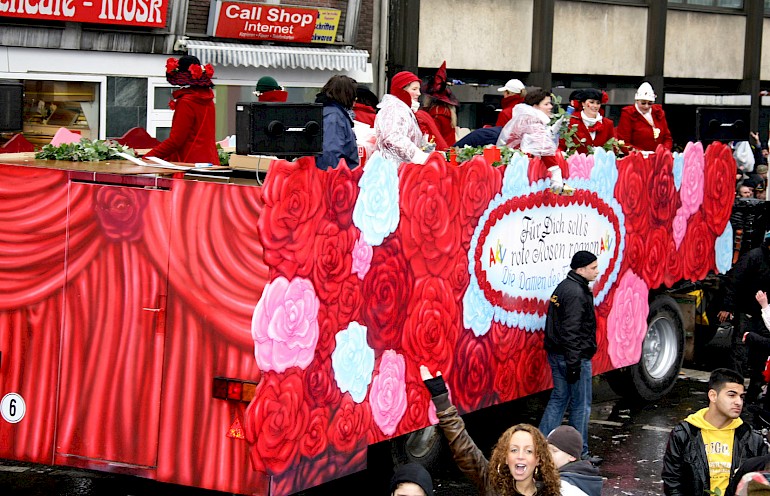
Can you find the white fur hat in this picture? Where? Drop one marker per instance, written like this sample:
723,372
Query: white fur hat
645,92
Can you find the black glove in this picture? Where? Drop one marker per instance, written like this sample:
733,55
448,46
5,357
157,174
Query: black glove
436,386
573,373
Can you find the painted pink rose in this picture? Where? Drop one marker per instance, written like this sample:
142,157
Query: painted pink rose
580,165
362,258
680,226
627,321
691,191
285,325
387,396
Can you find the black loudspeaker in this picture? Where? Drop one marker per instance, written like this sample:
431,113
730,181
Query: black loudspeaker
11,106
281,129
722,124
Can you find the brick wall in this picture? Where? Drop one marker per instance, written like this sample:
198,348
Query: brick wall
198,14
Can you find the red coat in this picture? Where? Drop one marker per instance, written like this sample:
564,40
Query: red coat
508,103
604,132
428,126
637,133
364,113
192,137
443,117
277,96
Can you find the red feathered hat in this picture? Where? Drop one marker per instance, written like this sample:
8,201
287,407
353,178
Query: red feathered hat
438,87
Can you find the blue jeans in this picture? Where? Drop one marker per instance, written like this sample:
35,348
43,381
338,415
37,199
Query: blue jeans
577,396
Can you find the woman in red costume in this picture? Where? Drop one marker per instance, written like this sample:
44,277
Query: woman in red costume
192,137
441,104
643,126
591,128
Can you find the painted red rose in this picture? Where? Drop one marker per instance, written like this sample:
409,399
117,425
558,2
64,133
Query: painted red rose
531,364
718,188
459,276
293,207
473,373
663,196
314,442
698,248
432,325
349,427
332,254
328,327
320,388
275,421
121,212
653,267
387,290
634,255
674,264
601,361
505,379
418,400
506,341
341,192
350,300
479,183
430,204
631,192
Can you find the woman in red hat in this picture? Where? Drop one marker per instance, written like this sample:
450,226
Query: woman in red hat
398,134
192,137
441,104
591,127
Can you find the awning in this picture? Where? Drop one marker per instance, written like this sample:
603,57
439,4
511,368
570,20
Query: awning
239,54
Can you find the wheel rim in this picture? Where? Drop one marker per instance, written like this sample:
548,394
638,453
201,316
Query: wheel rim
660,347
420,443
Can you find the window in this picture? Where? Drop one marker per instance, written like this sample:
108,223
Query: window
725,4
49,105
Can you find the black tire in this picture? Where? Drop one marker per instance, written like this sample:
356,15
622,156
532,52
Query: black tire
662,355
426,447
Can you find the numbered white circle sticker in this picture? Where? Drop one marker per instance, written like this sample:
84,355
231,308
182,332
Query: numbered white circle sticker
13,408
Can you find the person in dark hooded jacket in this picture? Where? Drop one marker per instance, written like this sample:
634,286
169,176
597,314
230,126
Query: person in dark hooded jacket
192,137
578,477
339,141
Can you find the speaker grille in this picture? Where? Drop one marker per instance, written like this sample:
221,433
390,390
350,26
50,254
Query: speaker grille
11,106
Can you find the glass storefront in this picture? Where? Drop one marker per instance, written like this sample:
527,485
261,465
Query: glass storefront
50,105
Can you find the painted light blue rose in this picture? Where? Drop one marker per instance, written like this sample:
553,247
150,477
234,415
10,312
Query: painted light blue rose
515,180
604,174
678,168
723,249
353,361
477,311
376,212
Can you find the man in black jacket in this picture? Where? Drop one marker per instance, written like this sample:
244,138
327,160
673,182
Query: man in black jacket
751,274
709,446
570,341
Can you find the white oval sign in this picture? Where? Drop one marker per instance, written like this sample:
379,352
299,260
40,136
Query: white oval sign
527,252
13,408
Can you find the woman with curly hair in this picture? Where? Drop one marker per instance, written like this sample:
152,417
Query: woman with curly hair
520,465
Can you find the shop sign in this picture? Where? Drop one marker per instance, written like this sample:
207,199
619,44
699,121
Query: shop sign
267,22
144,13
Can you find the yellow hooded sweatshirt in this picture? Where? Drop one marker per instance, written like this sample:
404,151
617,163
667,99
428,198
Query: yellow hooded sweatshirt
719,447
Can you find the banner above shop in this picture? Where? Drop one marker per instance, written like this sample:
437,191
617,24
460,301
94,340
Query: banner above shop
267,22
144,13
